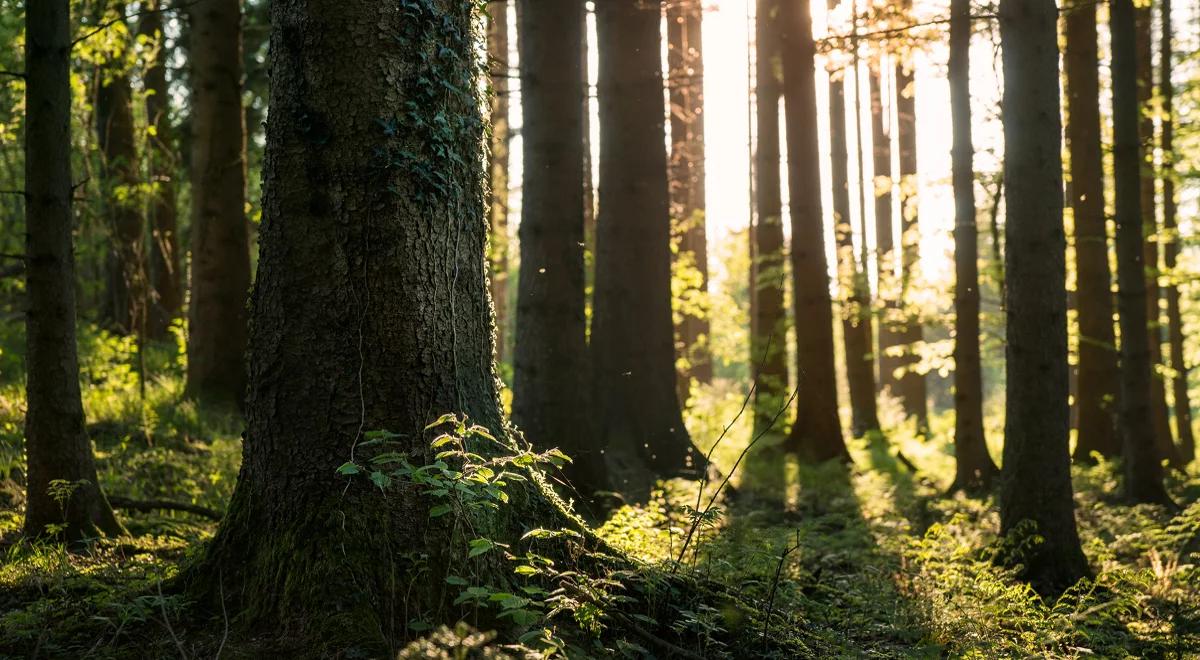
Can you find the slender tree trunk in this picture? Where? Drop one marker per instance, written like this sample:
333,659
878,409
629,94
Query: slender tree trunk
1179,383
167,300
974,467
768,344
885,242
550,361
632,345
56,443
685,78
220,273
1096,394
1143,472
1036,484
816,435
497,45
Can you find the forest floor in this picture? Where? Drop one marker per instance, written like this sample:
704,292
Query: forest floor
867,561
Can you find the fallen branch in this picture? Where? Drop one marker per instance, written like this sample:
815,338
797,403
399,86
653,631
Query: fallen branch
119,502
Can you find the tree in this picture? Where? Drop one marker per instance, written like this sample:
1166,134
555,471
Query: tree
885,243
1097,371
497,44
816,434
550,362
768,342
1179,383
632,344
685,78
974,469
63,496
1143,472
1036,484
220,273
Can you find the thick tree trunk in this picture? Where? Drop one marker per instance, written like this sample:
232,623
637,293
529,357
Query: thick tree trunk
56,444
497,46
1179,383
220,273
1096,394
885,241
162,163
637,412
685,79
1143,472
1036,484
550,362
768,343
974,467
816,435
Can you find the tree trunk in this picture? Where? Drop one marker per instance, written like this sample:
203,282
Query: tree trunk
816,435
974,469
497,45
685,78
768,343
220,241
1096,394
855,303
632,344
1179,383
162,164
56,443
885,243
1036,484
1143,472
550,361
120,180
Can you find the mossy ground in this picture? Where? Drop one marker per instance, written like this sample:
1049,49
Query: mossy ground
879,562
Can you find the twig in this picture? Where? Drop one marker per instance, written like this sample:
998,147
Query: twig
120,502
775,584
20,75
224,614
22,193
124,17
162,604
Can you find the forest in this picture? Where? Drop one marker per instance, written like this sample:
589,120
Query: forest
599,329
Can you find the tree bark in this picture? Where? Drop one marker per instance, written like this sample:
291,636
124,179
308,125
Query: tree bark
885,242
1143,472
550,361
637,412
1036,484
497,45
1179,382
685,79
974,469
1096,394
57,448
816,434
220,273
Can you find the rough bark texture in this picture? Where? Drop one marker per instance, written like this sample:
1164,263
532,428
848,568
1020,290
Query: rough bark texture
498,65
166,300
885,241
56,445
685,79
1143,472
632,338
1036,484
1096,395
854,303
1179,382
974,469
220,273
550,361
768,344
816,434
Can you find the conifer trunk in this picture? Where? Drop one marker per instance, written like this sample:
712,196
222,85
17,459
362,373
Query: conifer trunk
885,242
498,155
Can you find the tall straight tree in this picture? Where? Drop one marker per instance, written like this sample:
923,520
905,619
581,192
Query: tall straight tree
1143,471
1036,484
855,303
685,80
1179,383
768,342
220,273
162,164
974,469
1097,371
550,361
885,241
56,442
637,412
498,65
816,434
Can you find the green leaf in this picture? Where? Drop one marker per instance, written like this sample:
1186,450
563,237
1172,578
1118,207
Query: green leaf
380,479
441,441
448,417
479,546
525,569
456,581
348,468
481,432
439,510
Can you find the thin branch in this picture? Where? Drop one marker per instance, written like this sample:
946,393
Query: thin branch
120,502
22,193
20,75
124,17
